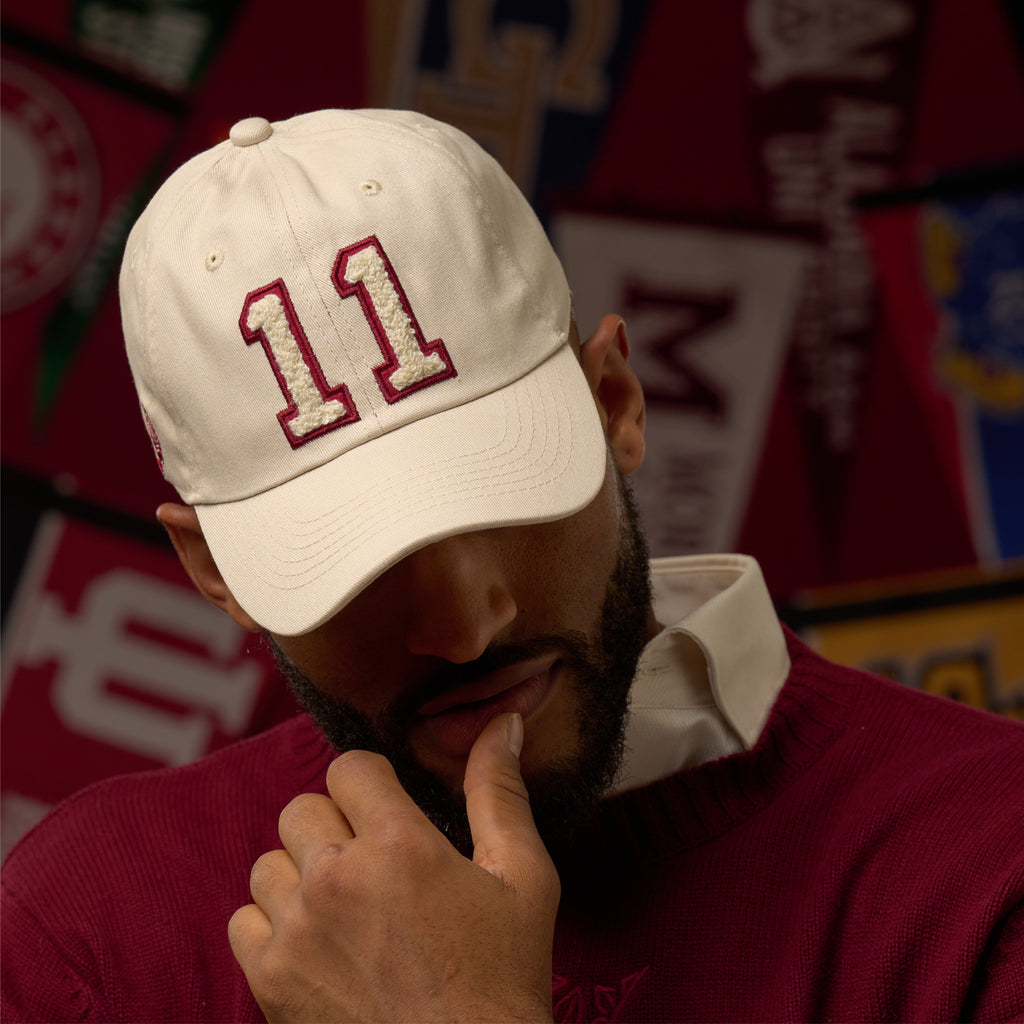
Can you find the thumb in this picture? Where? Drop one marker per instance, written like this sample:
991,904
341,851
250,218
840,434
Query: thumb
505,839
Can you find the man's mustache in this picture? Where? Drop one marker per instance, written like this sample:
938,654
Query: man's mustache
572,648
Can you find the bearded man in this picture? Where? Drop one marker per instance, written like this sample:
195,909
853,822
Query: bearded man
539,777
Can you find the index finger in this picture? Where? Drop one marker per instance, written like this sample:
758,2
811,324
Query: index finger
366,790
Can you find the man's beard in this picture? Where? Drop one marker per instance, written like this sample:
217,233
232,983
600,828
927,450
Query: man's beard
566,792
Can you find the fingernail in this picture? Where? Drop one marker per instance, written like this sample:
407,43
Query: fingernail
515,733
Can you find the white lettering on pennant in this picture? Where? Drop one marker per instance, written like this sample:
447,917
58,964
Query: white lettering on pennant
825,40
105,673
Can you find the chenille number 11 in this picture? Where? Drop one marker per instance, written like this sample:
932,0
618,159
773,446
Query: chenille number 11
315,407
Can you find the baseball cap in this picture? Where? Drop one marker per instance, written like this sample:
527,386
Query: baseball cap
348,332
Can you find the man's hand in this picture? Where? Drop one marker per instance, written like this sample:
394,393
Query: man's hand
370,914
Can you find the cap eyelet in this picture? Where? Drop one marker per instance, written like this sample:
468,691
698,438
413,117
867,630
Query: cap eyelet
214,259
370,187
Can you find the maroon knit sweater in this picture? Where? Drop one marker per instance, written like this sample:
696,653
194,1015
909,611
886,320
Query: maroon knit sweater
865,861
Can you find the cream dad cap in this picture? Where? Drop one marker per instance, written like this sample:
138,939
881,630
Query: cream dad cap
348,332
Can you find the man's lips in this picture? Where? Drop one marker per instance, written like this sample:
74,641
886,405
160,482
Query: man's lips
487,686
454,719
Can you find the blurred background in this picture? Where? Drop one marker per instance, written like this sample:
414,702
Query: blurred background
809,212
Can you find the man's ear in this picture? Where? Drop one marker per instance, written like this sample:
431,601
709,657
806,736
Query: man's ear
604,357
182,526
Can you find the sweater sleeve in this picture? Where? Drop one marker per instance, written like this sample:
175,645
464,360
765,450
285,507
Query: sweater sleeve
39,981
1000,981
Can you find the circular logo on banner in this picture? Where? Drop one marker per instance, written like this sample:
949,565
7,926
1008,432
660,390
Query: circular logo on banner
51,185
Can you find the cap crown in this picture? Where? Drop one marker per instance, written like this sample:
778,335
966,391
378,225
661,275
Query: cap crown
307,286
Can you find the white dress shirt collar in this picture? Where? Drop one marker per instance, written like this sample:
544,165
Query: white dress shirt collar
706,683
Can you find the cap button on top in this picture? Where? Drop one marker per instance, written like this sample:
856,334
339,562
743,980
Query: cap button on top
251,131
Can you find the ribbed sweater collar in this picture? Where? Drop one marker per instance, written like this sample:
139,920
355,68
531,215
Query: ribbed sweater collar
698,804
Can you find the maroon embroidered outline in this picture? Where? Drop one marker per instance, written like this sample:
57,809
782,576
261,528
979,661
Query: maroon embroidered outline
339,393
154,440
391,361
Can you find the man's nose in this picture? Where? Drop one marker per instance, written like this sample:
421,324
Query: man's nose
458,598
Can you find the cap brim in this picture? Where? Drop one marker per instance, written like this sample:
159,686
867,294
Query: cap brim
532,452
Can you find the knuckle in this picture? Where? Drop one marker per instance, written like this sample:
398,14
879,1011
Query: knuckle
354,769
396,839
323,878
356,760
504,782
409,850
296,811
269,960
241,933
265,871
269,978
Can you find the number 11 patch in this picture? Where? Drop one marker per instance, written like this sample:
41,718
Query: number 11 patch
314,405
